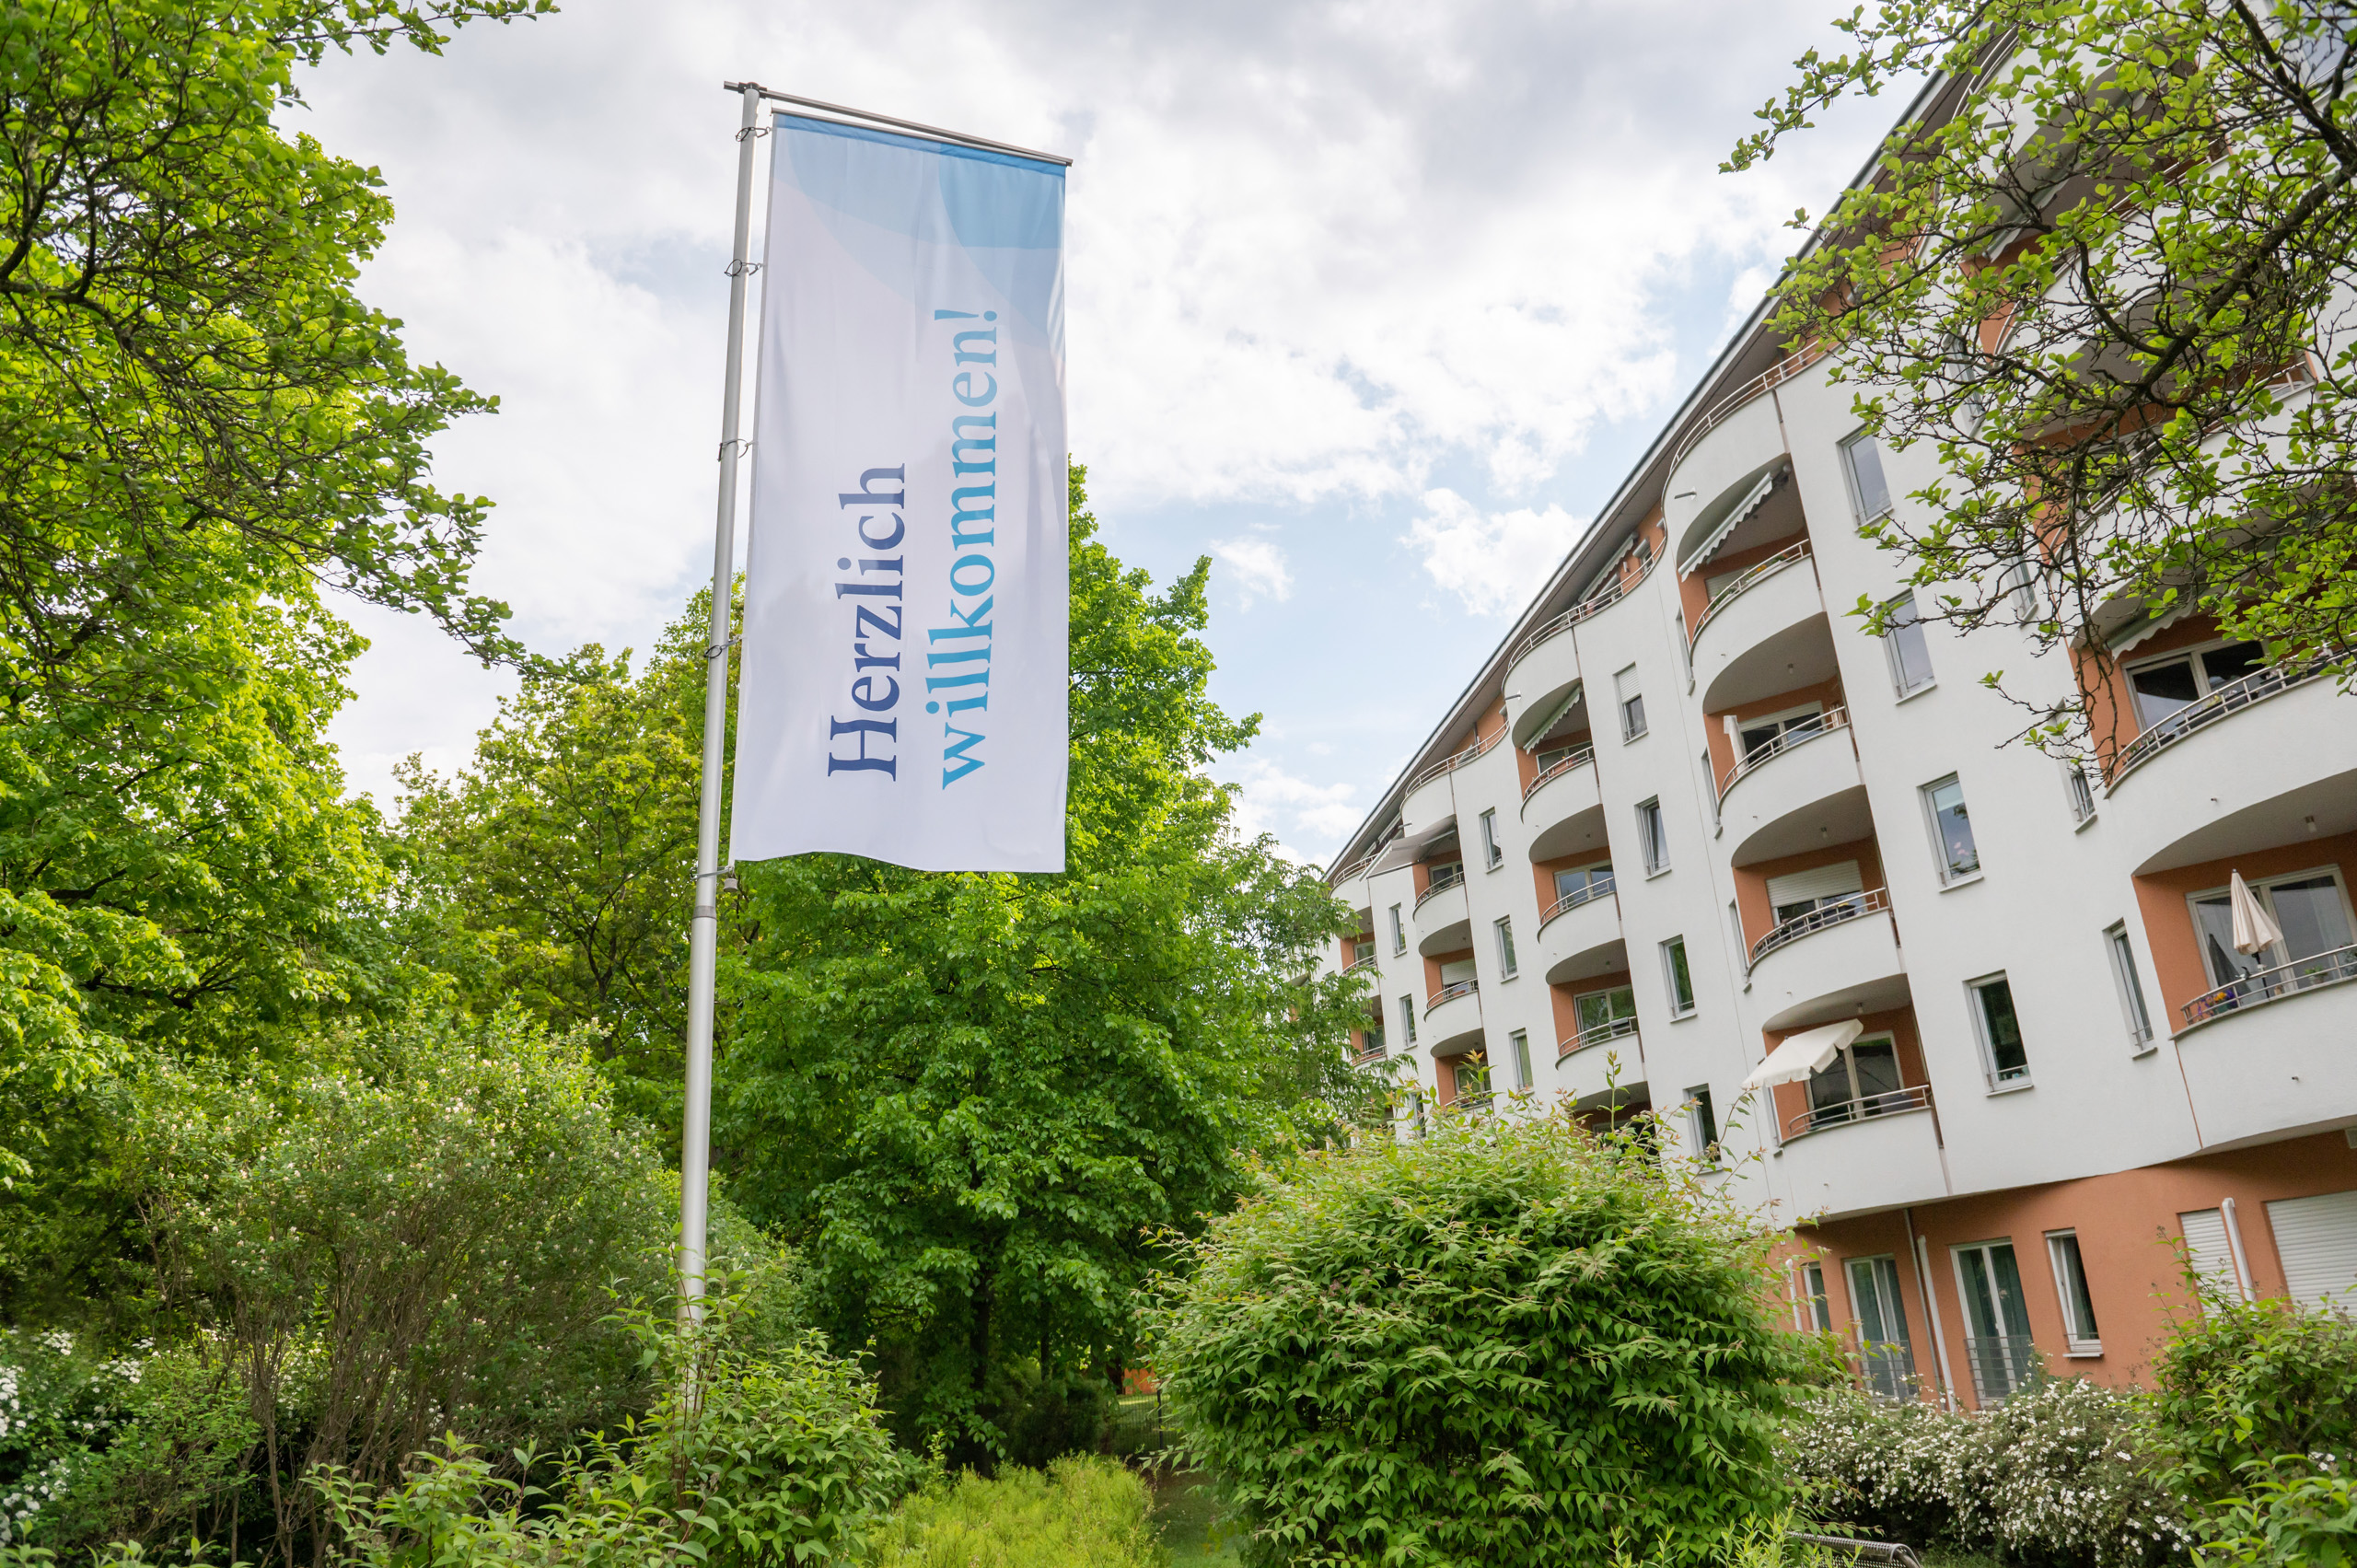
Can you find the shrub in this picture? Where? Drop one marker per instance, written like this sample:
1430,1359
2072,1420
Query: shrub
2059,1474
2288,1514
1512,1342
1082,1511
2267,1377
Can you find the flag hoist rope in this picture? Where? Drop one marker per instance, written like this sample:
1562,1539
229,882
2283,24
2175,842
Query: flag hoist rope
703,930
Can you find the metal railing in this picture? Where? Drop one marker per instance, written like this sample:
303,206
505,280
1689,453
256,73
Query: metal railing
1451,763
1800,734
1597,1034
1595,889
1851,906
1604,597
1358,964
1727,407
1369,858
1889,1103
1442,885
1888,1370
1373,1051
2256,687
1557,769
2000,1363
2272,985
1450,993
1857,1550
1753,575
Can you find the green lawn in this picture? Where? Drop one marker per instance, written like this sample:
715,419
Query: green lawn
1184,1507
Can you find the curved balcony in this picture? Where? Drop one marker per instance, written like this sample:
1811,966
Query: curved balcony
1431,799
1834,962
1452,1019
2268,1057
1443,922
1602,1065
1579,937
1724,452
2269,759
1799,791
1881,1152
1564,808
1544,669
1765,633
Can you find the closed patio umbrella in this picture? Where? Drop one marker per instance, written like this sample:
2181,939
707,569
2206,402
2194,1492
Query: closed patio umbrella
2254,929
1808,1051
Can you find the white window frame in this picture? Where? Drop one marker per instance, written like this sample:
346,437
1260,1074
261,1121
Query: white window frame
1399,932
1653,834
1508,966
1949,875
2202,685
1669,978
1890,651
1685,648
1698,1106
1972,988
1623,699
1850,476
2134,1012
1408,1018
2076,1342
1490,846
1813,1313
2079,793
2262,888
1518,1047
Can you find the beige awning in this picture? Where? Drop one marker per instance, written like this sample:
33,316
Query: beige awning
1809,1051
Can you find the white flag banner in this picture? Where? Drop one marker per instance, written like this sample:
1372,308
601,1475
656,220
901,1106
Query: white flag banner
902,680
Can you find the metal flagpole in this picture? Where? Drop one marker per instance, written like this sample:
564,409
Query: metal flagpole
703,930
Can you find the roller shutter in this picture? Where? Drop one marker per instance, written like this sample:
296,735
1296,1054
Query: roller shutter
2316,1239
1825,882
2213,1259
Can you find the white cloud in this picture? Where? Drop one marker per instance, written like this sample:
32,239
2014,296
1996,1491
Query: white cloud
1270,800
1259,567
1492,561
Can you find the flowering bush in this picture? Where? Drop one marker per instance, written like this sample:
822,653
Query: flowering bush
2057,1474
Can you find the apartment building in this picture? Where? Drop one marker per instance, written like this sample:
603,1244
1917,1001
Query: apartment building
1689,827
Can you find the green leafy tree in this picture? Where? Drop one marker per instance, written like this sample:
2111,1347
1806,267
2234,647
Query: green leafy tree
2107,271
968,1097
1512,1340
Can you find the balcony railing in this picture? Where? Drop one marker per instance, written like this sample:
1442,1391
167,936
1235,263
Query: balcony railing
1595,889
1441,885
2273,985
1597,1034
1890,1103
1888,1371
1602,598
1357,965
2000,1363
1824,724
1767,380
1450,993
1849,907
1758,573
1558,768
1451,763
2256,687
1370,1052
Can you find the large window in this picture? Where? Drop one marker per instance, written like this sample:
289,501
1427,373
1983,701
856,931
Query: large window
1951,829
1507,968
1797,893
1632,704
1490,847
2002,1054
2165,685
1885,1356
2310,906
2070,1285
1677,977
1910,656
1446,874
2132,990
1399,932
2082,794
1996,1323
1852,1084
1470,1078
1604,1014
1759,735
1652,837
1702,1124
1869,491
1583,882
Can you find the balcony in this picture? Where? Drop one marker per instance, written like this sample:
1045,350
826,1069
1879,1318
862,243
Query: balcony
1443,920
1881,1152
1579,937
1564,808
1541,674
1724,453
1798,791
1765,633
2269,1056
1362,966
1834,962
1452,1019
1603,1065
1431,800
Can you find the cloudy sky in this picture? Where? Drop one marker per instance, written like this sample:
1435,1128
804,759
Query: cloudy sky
1373,302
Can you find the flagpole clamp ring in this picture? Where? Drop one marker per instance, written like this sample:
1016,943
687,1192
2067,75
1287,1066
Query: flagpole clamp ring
741,269
742,444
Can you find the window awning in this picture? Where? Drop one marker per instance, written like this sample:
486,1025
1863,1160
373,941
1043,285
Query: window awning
2139,631
1810,1051
1753,499
1562,710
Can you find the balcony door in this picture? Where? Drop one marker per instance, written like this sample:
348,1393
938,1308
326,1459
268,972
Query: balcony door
2311,907
1584,882
2166,687
1848,1087
1996,1322
1805,892
1758,735
1600,1014
1885,1356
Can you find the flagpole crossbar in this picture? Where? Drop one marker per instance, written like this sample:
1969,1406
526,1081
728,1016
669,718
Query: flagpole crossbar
935,131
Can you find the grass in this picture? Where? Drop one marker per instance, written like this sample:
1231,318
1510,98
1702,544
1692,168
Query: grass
1188,1515
1081,1511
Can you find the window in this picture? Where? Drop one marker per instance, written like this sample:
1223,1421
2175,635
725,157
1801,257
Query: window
1702,1124
1885,1356
2000,1031
1399,932
1799,893
1869,491
1507,968
1910,656
1951,829
2070,1285
1408,1019
1735,929
1490,849
1372,1044
2309,906
1757,735
1446,874
1632,704
2019,582
1583,883
1854,1084
1520,1041
1996,1325
1469,1077
1815,1312
1553,755
1681,981
2166,686
1604,1015
2082,794
1652,838
2131,993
